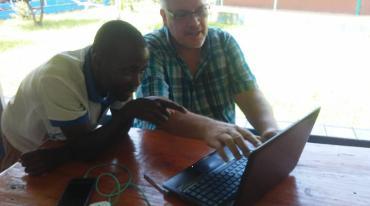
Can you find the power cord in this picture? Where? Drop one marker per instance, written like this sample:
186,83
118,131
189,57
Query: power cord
119,188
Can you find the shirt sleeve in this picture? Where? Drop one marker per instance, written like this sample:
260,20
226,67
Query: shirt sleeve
63,106
240,73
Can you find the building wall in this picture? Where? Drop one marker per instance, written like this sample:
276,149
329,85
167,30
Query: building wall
250,3
365,8
336,6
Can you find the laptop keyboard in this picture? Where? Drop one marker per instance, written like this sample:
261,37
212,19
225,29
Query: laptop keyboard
221,184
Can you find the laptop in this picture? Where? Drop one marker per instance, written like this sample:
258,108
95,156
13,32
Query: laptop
211,181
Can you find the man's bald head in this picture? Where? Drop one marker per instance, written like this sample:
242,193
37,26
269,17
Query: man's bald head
164,3
117,37
119,56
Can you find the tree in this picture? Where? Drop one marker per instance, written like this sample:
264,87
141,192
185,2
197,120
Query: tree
24,9
33,11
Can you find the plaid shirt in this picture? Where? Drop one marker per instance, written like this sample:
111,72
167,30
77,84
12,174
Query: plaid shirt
222,74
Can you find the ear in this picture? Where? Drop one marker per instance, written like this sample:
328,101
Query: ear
94,58
164,17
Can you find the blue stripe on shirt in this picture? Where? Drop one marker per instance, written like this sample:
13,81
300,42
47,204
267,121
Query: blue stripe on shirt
80,120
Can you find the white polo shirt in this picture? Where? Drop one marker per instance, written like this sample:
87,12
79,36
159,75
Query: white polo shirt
60,92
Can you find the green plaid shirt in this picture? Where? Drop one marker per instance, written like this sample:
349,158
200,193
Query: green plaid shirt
222,74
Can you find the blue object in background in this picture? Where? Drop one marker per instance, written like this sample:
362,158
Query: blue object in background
51,6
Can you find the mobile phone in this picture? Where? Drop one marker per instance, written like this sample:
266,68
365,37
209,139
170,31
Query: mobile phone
77,192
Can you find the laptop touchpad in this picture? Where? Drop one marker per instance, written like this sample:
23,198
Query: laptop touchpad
208,163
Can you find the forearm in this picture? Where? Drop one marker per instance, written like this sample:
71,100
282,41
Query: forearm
257,110
81,144
261,116
90,144
214,133
152,109
192,125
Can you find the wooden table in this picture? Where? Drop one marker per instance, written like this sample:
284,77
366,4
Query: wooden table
325,174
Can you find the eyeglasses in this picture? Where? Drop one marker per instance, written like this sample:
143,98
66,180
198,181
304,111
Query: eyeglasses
183,15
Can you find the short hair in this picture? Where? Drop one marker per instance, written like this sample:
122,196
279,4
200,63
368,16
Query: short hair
113,35
164,3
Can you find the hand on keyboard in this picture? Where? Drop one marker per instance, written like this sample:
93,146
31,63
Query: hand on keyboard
233,137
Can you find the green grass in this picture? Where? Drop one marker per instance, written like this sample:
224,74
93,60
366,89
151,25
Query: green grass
50,24
12,44
222,25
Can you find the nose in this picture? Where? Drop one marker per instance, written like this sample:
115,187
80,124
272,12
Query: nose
194,19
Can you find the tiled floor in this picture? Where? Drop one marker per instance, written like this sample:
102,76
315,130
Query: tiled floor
326,130
362,134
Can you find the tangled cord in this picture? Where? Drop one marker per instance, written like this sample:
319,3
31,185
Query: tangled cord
119,188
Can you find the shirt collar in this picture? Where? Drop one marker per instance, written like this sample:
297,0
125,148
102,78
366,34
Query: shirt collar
90,81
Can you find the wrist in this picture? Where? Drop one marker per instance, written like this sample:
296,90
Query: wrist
125,114
270,130
268,133
128,110
215,128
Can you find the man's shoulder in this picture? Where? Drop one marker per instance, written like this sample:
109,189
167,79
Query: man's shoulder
219,38
157,38
75,56
68,60
217,33
157,33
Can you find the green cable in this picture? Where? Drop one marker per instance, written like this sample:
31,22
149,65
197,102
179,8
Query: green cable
118,189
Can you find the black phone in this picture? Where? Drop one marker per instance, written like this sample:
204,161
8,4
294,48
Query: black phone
77,192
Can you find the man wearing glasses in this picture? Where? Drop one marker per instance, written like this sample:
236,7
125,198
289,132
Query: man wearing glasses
204,70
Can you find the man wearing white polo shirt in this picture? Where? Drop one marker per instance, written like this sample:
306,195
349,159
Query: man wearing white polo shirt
67,96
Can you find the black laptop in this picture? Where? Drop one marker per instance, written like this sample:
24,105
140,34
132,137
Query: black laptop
211,181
